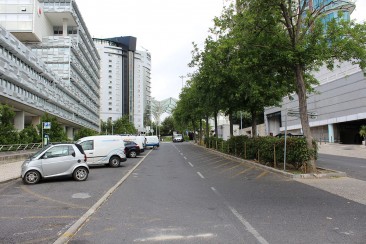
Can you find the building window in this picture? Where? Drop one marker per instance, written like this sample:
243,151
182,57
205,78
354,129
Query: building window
57,30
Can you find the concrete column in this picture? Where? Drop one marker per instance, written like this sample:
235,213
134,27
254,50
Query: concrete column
36,120
64,27
330,133
70,133
19,120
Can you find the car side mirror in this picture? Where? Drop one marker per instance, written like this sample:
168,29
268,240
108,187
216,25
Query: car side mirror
44,156
73,154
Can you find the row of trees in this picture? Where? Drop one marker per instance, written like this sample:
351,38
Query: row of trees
30,134
260,51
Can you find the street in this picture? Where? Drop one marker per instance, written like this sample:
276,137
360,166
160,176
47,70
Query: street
185,194
180,193
354,167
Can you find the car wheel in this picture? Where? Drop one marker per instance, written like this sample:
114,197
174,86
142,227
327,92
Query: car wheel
32,177
155,147
80,174
132,154
114,161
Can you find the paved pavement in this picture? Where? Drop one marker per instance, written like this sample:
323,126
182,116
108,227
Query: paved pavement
346,187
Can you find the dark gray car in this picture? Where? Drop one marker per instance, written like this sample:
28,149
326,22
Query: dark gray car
54,161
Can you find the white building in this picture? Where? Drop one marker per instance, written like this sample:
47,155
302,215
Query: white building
111,79
48,64
142,89
125,80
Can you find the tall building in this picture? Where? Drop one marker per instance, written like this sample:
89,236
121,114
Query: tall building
338,100
125,80
142,90
117,76
48,63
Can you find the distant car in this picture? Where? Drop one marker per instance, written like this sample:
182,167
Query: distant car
132,149
54,161
178,138
280,135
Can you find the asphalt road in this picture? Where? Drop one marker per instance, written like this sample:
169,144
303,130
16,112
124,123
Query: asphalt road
182,193
41,213
354,167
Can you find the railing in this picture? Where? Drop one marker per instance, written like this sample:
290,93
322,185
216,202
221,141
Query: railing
20,147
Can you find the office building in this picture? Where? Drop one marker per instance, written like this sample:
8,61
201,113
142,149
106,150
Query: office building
49,64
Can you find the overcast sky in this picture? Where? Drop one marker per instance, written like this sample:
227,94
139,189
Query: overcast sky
166,28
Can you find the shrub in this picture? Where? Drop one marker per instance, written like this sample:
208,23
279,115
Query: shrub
265,150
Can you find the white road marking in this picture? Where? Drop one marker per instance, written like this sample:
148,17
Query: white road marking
185,158
191,164
200,175
175,237
246,224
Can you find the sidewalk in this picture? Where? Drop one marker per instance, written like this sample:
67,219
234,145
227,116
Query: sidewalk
345,187
356,151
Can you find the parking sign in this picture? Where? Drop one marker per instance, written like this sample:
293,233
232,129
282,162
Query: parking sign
46,125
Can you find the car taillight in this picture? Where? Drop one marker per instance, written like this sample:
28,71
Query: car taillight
85,158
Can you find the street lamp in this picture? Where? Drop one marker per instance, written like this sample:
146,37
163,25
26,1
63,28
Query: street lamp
182,77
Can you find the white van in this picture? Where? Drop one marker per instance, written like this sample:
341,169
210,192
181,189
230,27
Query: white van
108,150
139,140
152,141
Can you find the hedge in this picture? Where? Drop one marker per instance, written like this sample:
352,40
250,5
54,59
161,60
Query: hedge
265,150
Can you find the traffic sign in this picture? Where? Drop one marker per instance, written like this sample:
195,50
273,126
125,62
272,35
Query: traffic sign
47,125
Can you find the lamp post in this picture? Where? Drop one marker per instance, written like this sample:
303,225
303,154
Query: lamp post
182,77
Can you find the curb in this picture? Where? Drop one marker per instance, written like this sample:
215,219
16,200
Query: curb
332,174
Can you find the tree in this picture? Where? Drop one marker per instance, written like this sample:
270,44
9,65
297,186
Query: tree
296,41
57,132
167,126
363,132
8,134
29,135
84,132
123,126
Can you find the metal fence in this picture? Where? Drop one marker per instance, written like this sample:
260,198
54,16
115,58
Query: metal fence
20,147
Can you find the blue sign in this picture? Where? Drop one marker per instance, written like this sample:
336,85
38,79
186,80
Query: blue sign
46,125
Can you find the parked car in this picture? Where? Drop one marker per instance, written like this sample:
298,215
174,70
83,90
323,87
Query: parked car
104,150
132,149
139,140
152,141
178,138
54,161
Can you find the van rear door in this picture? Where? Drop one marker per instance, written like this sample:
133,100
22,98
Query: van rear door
88,147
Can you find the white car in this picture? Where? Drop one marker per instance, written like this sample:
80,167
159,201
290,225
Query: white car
178,138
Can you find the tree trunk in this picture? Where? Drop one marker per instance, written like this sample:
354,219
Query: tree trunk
231,125
216,124
254,123
207,128
200,133
301,92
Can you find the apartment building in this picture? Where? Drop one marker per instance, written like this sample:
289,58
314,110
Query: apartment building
142,90
49,64
125,80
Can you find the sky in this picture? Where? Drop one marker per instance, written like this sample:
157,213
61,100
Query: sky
166,28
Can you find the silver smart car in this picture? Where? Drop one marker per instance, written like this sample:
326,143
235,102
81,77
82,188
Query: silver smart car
56,160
